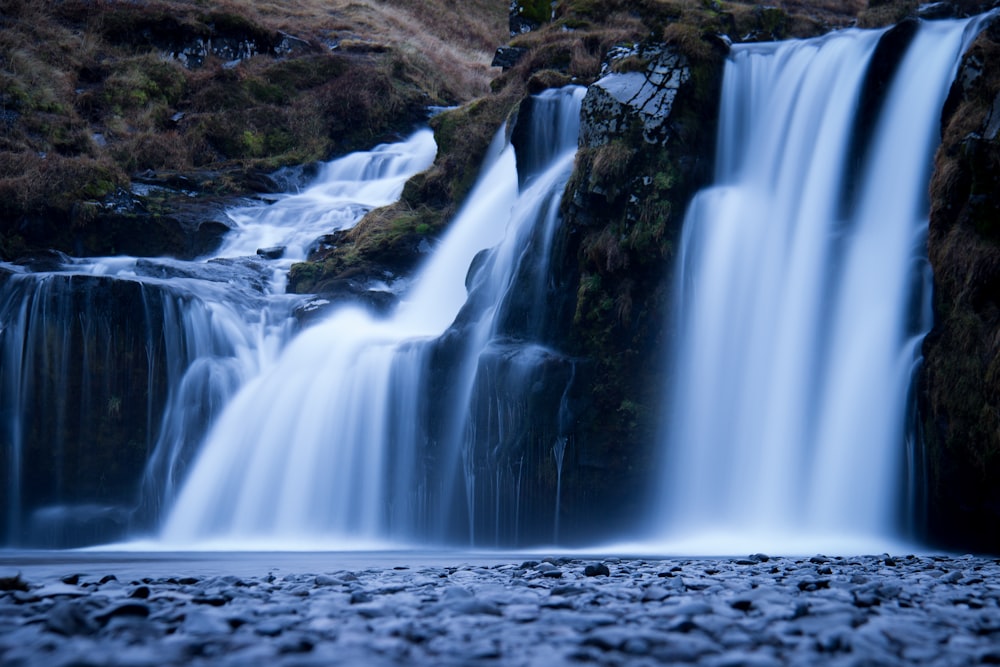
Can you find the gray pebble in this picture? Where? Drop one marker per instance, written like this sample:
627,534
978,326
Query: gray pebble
758,611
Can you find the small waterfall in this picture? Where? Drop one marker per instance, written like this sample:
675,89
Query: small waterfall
339,196
371,429
113,369
803,299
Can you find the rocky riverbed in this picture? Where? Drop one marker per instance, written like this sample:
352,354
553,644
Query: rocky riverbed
757,611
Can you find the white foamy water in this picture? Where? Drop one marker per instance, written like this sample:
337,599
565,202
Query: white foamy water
798,330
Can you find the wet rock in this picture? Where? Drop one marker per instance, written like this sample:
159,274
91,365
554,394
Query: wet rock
202,623
643,99
69,618
655,594
12,581
468,614
274,252
937,10
129,609
596,570
140,592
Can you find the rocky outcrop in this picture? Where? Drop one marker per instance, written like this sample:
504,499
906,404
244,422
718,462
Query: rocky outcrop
961,380
643,99
230,37
389,242
647,138
78,354
156,223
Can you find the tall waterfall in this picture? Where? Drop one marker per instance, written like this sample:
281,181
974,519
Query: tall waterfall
804,295
361,432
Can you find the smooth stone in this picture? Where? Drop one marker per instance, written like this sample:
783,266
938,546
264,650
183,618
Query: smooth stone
596,570
655,594
70,618
474,606
201,623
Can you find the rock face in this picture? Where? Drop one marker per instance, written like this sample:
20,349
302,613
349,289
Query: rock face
168,223
77,356
89,366
647,137
961,381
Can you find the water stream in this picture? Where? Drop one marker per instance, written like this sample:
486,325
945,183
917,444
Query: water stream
152,349
804,299
360,433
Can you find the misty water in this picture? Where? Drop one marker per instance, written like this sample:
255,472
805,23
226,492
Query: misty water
803,296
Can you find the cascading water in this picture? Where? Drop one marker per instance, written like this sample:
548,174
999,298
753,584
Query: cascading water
362,432
803,299
112,365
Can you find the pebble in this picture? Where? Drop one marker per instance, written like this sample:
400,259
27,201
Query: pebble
756,611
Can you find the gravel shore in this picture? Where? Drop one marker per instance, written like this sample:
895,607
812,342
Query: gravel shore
755,611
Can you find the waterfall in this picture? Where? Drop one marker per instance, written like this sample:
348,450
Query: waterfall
803,298
114,368
367,429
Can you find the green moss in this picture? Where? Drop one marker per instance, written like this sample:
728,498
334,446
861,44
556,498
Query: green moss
302,276
266,92
252,144
537,11
143,80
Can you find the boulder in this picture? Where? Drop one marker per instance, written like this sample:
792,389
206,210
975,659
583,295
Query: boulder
507,56
274,252
643,100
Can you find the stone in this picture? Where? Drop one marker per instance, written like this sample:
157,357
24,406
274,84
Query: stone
140,592
937,10
992,130
273,252
645,99
480,615
596,570
12,581
289,45
655,594
507,56
202,623
69,618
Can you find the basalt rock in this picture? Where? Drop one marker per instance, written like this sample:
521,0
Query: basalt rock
621,104
960,385
89,345
647,134
155,223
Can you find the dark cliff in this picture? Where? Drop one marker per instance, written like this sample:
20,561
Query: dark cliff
961,381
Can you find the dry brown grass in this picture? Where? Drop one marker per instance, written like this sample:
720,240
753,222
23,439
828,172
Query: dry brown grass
76,70
886,13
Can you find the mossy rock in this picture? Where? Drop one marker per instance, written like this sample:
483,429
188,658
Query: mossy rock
390,241
960,382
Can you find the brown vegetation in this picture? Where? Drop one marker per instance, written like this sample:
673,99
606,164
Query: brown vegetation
92,91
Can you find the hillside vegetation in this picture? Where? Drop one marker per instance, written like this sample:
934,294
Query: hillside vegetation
93,92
